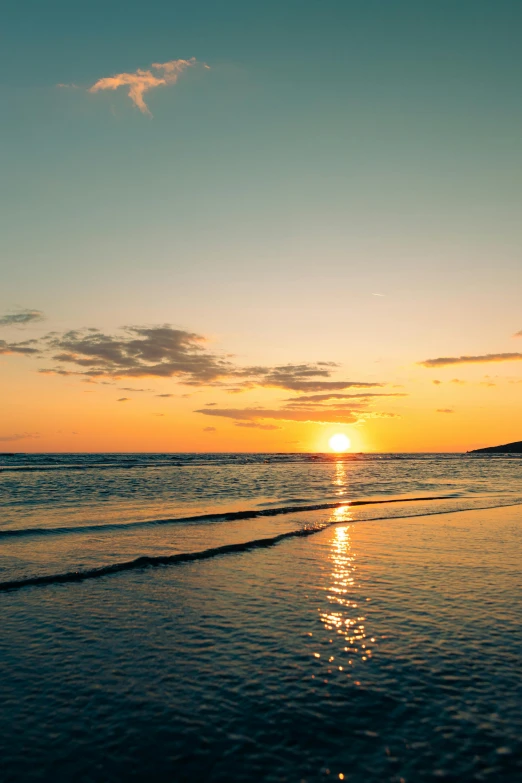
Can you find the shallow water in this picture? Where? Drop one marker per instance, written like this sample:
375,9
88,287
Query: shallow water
67,513
373,650
83,489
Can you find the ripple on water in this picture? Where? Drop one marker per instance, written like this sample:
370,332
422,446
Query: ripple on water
209,671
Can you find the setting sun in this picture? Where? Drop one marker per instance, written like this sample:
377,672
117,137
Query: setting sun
339,442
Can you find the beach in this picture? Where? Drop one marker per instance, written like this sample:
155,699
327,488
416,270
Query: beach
371,650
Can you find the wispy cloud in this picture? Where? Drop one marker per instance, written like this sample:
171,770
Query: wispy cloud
163,351
21,317
256,425
159,351
186,357
283,414
209,429
310,415
445,410
320,398
444,361
18,436
166,352
518,334
131,389
311,377
141,81
26,348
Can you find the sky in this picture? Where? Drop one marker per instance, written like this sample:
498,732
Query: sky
230,226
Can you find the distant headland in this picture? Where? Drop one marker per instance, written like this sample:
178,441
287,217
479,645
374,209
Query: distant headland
507,448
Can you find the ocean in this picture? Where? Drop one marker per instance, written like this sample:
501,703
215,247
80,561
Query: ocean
297,617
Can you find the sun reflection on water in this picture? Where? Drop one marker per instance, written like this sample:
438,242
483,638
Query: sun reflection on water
339,479
344,617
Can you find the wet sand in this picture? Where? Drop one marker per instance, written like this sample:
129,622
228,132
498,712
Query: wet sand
373,650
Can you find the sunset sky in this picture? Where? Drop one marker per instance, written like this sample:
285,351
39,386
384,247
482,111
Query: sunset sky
247,226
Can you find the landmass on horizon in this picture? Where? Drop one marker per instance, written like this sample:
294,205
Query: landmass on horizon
506,448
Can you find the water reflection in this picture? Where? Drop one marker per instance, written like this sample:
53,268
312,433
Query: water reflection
339,479
345,617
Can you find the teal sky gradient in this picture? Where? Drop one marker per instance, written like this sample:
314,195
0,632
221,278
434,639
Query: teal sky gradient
334,150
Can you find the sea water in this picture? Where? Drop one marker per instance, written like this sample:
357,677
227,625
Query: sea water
231,618
76,513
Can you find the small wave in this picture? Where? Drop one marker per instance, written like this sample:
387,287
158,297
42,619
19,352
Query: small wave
230,516
151,561
86,467
23,463
148,561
